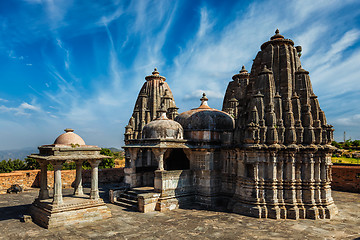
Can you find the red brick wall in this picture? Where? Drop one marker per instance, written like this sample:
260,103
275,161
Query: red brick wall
346,178
31,178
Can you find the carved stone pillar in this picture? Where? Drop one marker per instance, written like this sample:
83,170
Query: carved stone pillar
78,189
271,193
317,186
159,155
44,192
58,199
290,188
94,192
309,189
299,168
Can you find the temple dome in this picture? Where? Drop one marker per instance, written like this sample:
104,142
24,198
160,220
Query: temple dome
205,118
162,128
69,138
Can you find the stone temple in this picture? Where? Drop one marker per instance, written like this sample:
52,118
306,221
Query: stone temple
267,154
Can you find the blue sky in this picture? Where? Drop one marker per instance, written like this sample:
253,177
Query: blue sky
81,63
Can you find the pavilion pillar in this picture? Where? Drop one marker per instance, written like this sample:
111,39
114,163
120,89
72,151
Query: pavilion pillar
58,199
44,192
159,155
78,189
158,181
94,192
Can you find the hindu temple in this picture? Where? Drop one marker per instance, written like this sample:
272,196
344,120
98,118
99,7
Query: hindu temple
267,154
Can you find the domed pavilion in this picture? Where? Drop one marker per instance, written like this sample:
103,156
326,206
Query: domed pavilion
58,210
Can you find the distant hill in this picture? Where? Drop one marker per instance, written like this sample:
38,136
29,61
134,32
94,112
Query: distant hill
17,153
114,150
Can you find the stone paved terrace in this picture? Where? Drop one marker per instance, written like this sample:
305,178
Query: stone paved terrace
194,223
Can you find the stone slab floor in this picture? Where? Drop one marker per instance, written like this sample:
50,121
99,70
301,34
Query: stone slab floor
195,223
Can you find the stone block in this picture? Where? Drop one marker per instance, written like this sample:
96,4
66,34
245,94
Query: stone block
72,211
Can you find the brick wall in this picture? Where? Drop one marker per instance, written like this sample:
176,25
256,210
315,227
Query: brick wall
31,178
346,178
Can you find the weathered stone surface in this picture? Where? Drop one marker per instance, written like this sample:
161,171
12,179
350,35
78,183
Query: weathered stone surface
71,212
183,223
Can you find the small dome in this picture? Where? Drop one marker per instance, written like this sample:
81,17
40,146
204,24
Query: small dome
205,118
162,128
69,138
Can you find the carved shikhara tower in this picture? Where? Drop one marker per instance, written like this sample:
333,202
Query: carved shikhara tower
267,154
282,139
154,93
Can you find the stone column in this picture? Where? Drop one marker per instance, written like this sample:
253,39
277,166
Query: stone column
78,189
327,201
130,169
159,155
148,157
44,192
290,189
309,189
58,199
299,168
94,192
271,192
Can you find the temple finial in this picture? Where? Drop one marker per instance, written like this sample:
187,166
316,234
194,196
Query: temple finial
277,35
155,72
204,98
243,70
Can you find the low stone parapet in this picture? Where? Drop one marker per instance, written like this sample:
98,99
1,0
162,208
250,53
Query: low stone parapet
31,178
346,178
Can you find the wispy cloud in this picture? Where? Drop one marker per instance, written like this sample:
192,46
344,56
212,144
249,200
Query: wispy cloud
24,108
94,56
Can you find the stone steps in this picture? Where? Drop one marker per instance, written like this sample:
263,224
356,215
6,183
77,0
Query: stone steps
121,203
128,200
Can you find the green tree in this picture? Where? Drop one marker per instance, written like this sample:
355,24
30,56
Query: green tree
4,167
11,165
31,164
107,162
356,143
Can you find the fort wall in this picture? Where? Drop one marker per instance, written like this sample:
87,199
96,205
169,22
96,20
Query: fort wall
31,178
345,178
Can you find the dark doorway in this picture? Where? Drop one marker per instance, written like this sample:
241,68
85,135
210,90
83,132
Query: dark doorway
177,160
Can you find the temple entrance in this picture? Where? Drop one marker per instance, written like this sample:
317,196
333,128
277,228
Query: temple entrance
175,159
145,167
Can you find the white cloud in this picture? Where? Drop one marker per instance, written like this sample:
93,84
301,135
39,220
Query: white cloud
23,109
25,105
211,51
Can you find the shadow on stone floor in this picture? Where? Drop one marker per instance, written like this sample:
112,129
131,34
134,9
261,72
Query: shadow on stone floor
14,212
